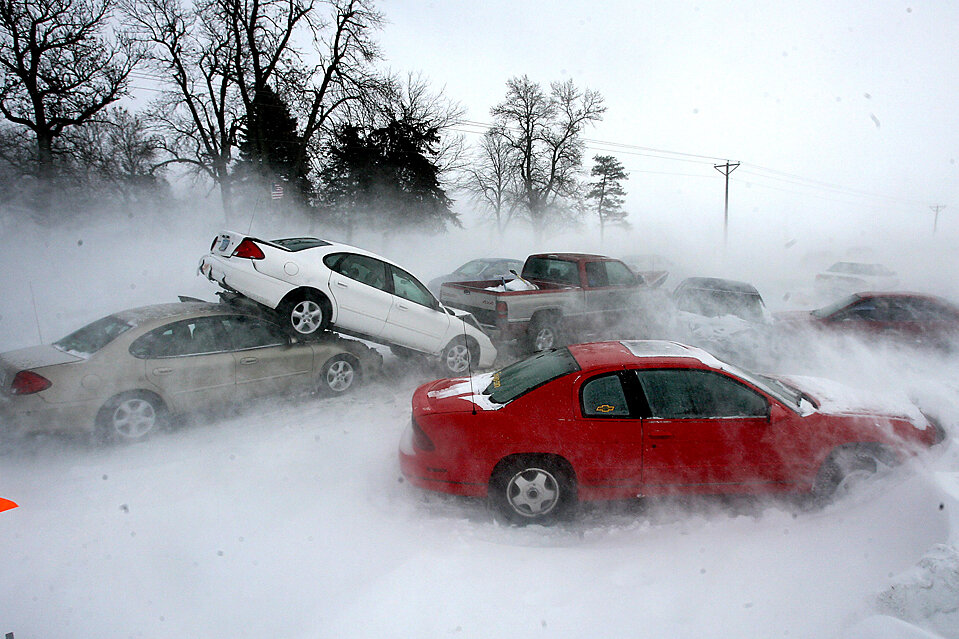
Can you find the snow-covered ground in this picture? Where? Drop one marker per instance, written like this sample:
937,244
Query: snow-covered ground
290,519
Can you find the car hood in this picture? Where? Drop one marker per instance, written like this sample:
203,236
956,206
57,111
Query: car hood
36,357
460,394
835,398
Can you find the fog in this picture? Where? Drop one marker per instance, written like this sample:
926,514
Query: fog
289,519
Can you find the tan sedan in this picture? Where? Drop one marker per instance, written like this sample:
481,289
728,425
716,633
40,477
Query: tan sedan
124,375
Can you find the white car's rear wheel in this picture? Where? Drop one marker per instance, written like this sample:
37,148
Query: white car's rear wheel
305,315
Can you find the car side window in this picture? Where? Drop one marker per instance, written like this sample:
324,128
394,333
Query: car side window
604,397
698,394
251,332
199,336
618,274
362,268
409,288
596,275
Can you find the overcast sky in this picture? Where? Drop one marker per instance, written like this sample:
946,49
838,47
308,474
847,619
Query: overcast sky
827,105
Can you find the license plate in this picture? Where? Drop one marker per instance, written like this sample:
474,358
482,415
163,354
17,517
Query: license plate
224,242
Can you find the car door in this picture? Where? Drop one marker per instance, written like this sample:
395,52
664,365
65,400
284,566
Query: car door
190,362
611,435
705,432
416,319
359,285
610,288
267,362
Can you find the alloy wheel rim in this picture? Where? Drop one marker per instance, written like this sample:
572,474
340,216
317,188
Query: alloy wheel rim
306,316
458,358
533,492
544,339
339,376
134,418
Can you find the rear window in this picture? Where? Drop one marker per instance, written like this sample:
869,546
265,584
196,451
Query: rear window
523,376
552,269
300,243
93,336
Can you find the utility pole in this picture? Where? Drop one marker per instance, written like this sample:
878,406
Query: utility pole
935,222
726,169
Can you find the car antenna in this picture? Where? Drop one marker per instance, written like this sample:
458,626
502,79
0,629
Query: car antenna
469,364
253,215
36,316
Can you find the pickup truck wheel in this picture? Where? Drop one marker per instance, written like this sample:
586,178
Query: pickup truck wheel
544,333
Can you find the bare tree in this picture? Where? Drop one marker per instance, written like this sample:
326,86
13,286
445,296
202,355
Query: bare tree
544,132
198,111
60,66
492,179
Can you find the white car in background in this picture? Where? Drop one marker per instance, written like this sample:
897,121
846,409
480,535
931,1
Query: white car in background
315,285
845,278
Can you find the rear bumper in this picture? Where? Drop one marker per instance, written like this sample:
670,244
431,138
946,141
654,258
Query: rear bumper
24,415
427,472
241,276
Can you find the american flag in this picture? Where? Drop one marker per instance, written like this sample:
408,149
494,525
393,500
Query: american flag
276,192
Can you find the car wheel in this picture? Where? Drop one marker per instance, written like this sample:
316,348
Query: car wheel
457,357
339,374
848,467
131,417
544,333
532,489
305,315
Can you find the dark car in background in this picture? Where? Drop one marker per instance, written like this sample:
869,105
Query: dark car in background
907,318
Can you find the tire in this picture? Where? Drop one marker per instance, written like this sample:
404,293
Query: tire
130,417
846,468
544,333
456,359
339,375
532,489
305,314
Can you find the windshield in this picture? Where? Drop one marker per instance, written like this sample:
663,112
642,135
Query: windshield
523,376
93,336
471,268
829,309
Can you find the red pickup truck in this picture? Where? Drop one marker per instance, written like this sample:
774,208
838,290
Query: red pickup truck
569,294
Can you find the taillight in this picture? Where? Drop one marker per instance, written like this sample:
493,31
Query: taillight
420,439
28,382
249,250
502,313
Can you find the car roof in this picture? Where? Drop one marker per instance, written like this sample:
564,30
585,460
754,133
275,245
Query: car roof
162,312
645,353
902,295
572,256
328,246
718,284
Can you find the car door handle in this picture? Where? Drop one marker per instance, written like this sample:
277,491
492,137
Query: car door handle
162,371
248,360
342,284
660,434
402,307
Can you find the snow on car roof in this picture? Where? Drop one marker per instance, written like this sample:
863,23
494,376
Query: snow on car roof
663,348
137,316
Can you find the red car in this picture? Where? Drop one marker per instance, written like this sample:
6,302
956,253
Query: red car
615,420
909,318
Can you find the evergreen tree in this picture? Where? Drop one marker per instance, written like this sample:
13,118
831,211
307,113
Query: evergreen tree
607,191
386,177
270,145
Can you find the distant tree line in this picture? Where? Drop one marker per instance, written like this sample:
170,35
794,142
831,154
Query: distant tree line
242,104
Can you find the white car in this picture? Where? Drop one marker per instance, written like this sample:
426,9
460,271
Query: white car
845,278
315,285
